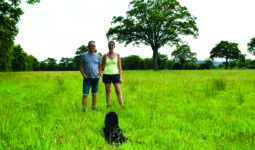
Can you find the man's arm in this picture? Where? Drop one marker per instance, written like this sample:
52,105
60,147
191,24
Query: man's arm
100,70
82,72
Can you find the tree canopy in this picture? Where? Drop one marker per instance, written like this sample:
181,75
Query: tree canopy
226,50
251,46
154,23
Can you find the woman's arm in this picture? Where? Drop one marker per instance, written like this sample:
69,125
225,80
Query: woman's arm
119,67
103,62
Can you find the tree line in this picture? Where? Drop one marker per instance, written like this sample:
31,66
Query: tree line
183,59
154,23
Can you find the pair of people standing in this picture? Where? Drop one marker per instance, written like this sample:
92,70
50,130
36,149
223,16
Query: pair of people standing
91,68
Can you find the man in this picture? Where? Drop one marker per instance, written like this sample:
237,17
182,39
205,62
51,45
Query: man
90,68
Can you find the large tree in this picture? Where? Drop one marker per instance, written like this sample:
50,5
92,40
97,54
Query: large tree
183,55
154,23
227,50
251,46
9,17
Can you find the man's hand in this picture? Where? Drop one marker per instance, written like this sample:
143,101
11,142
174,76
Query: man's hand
99,75
85,76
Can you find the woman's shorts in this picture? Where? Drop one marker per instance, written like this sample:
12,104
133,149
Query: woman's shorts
90,82
115,78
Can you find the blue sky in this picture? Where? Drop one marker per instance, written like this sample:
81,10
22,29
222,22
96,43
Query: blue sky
56,28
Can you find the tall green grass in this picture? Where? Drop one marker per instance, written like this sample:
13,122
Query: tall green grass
163,110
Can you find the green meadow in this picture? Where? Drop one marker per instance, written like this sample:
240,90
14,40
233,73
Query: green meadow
163,110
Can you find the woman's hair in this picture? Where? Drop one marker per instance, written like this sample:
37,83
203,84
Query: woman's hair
112,43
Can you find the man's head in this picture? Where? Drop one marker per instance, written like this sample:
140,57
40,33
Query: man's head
92,46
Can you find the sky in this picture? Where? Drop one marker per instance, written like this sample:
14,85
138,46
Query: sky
57,28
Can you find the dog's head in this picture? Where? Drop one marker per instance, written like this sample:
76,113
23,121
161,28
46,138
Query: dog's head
111,119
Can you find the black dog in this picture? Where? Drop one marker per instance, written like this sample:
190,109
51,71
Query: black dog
112,132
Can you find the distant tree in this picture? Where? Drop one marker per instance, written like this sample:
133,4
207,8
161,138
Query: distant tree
232,64
177,66
77,58
20,60
169,64
43,66
226,50
32,63
251,46
243,64
132,62
154,23
162,61
252,64
148,63
190,66
82,49
208,64
71,65
29,65
10,13
6,55
242,57
184,55
63,63
222,65
51,64
66,64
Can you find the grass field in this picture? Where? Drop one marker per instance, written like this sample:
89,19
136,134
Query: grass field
163,110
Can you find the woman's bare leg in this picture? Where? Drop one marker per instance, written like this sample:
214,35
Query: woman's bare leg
108,94
118,92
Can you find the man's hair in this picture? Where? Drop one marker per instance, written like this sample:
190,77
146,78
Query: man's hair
112,43
91,41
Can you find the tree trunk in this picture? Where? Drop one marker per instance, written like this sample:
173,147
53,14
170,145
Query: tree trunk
155,59
226,66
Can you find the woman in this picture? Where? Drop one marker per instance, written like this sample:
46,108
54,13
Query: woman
111,64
